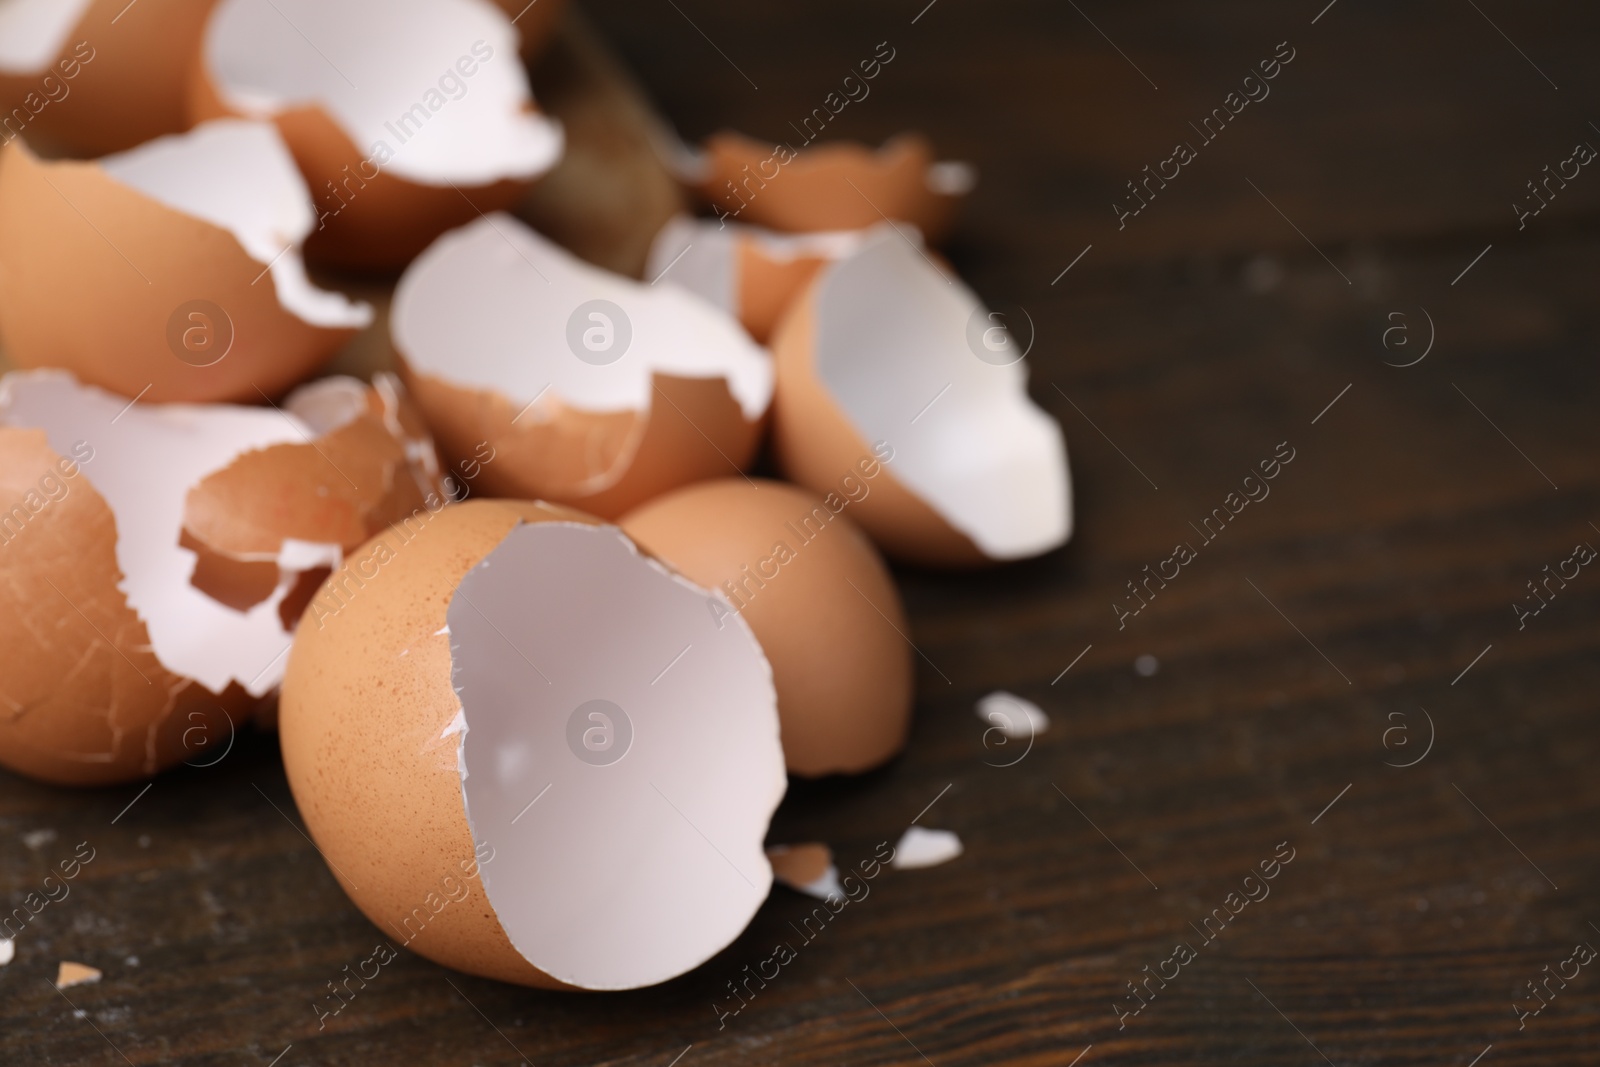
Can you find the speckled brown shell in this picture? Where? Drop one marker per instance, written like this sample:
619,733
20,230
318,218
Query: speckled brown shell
366,707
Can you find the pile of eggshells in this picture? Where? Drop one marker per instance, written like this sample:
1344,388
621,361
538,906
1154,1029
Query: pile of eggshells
586,685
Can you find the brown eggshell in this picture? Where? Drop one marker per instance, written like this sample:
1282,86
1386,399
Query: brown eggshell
85,700
834,186
889,348
748,272
604,463
357,479
492,311
358,772
133,87
819,599
93,271
387,220
769,286
370,218
418,729
797,866
91,702
816,446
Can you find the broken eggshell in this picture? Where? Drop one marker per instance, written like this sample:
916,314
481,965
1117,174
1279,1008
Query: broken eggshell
806,868
839,185
753,274
171,272
594,390
883,347
531,750
97,76
819,599
406,118
155,558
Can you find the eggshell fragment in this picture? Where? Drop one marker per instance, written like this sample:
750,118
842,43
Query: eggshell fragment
818,598
406,118
919,847
836,186
752,274
1016,718
96,76
69,974
153,558
531,752
807,869
171,272
37,839
593,389
880,348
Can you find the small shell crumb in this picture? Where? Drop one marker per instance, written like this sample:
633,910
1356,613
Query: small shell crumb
806,869
37,839
71,974
1018,719
919,847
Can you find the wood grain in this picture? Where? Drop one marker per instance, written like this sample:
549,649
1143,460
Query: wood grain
1198,338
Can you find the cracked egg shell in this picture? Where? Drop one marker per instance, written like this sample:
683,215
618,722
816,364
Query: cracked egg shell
170,272
533,751
488,326
97,76
406,118
883,347
840,185
819,599
155,557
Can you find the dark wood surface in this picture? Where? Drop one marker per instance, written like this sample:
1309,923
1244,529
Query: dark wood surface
1385,561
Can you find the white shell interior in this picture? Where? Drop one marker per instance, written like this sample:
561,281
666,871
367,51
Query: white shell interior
488,307
625,874
239,176
391,72
146,459
33,32
892,349
702,255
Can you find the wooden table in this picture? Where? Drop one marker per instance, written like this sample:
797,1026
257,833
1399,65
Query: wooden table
1359,617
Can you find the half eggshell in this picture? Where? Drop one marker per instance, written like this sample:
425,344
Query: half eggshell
594,390
751,273
817,596
838,185
531,753
171,272
154,558
97,76
406,118
885,348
